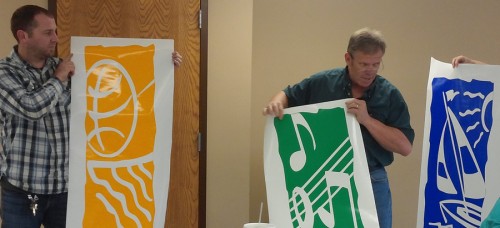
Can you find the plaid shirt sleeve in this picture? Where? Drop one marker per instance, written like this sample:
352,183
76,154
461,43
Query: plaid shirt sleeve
25,97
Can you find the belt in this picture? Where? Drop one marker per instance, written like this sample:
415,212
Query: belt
8,186
375,167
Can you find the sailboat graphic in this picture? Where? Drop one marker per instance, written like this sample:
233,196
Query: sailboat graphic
458,175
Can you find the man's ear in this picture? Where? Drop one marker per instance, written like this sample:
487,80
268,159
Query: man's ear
347,57
21,35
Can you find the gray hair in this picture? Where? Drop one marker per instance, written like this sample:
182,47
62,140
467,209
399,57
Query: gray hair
366,40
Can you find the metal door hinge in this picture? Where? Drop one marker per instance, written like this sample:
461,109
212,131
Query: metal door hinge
199,141
200,15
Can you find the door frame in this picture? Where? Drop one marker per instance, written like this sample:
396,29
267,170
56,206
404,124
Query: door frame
203,114
202,146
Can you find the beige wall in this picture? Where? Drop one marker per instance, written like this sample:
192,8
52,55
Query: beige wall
7,7
258,47
229,110
293,39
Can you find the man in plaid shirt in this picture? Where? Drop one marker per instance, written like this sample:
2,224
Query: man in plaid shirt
35,114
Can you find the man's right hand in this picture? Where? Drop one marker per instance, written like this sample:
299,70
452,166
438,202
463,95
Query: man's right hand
65,69
276,106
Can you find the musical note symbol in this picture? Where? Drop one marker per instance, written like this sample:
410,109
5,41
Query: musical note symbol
342,180
327,217
302,206
298,158
308,220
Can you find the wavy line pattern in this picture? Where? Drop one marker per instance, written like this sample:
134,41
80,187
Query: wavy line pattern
469,112
470,128
473,95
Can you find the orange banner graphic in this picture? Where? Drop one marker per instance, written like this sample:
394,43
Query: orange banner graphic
120,127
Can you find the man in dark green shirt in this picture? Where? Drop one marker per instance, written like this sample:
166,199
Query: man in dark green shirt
378,106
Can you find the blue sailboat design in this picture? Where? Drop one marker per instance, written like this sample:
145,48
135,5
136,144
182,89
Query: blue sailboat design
469,183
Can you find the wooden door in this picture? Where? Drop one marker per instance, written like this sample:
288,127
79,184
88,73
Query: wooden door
167,19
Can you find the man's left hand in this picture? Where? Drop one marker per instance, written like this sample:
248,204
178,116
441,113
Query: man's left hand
357,107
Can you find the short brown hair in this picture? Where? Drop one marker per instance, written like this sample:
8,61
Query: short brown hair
367,41
24,18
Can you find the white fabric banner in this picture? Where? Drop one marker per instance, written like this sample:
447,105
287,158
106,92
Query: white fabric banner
121,132
459,181
316,170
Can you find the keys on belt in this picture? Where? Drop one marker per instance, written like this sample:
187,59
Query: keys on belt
33,204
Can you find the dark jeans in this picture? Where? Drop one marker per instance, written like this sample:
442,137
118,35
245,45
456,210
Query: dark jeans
383,199
15,210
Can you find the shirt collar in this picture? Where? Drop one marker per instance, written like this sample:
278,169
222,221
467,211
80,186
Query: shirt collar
14,56
347,85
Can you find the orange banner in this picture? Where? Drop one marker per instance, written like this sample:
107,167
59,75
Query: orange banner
119,123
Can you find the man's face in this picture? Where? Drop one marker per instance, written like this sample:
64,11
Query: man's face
42,39
363,67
